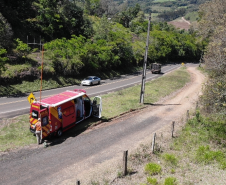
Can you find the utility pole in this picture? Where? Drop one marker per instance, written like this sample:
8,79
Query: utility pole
145,63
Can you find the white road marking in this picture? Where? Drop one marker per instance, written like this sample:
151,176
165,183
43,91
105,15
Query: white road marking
92,87
126,84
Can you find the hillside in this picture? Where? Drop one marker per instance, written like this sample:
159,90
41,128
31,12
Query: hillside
95,45
181,23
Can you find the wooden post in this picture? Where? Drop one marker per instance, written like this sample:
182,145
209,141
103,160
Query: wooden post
173,122
78,182
125,154
197,105
145,63
153,143
187,117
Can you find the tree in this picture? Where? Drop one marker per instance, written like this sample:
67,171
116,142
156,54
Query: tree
16,13
213,17
126,16
59,18
6,33
212,27
3,59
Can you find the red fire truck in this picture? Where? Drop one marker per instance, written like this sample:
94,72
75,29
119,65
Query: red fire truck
61,112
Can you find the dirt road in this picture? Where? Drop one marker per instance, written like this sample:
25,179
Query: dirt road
100,147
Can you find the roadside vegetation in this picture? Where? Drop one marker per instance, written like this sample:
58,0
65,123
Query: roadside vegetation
197,153
101,39
15,132
198,150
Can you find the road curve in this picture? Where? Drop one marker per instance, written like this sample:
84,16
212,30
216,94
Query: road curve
76,153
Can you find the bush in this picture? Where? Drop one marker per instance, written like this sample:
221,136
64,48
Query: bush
153,169
170,159
170,181
205,155
152,180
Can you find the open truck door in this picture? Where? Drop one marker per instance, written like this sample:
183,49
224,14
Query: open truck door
97,107
44,114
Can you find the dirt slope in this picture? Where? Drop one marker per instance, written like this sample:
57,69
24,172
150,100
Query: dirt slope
181,24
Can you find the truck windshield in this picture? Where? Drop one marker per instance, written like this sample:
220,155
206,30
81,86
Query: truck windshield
34,114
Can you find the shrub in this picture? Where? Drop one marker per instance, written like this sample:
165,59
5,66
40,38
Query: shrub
170,181
205,155
153,169
172,171
152,180
170,159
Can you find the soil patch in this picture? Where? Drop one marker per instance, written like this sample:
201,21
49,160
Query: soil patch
181,24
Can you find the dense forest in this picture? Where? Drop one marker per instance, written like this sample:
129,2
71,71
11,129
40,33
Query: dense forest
94,36
84,36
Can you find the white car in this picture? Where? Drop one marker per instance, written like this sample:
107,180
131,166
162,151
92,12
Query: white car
91,80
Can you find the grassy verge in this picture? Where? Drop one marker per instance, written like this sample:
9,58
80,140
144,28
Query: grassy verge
15,132
31,86
54,82
196,155
127,99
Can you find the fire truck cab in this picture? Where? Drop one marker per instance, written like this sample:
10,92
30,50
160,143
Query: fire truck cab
62,111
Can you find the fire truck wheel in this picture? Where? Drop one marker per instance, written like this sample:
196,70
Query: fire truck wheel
59,132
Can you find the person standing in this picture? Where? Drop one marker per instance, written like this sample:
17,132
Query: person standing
38,129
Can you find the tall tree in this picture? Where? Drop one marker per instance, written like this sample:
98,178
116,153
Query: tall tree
6,33
212,26
59,18
16,13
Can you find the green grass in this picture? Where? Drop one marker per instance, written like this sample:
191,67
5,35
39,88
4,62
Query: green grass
192,16
128,99
170,181
170,159
153,168
152,181
16,132
13,70
160,1
32,86
203,140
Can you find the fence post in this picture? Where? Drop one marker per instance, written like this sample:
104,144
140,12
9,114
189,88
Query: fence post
197,105
173,122
187,117
125,154
153,143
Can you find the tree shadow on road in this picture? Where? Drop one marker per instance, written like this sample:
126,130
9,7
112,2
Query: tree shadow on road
75,131
160,104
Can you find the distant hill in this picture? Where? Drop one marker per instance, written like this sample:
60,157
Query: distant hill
167,10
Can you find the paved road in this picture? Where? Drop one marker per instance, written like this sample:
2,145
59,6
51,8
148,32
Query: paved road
13,106
73,154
